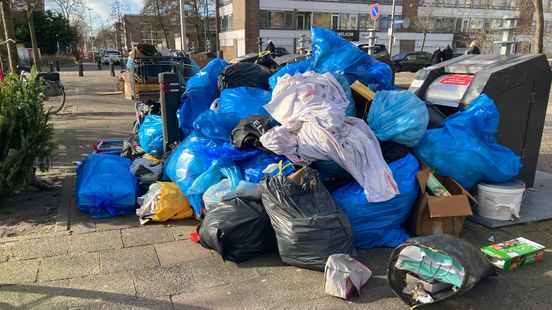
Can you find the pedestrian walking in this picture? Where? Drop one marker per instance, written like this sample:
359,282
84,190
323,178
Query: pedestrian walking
270,47
436,57
447,53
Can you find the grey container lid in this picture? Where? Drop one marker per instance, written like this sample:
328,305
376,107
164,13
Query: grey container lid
512,184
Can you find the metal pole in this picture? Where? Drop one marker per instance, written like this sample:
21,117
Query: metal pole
206,23
90,18
183,27
390,47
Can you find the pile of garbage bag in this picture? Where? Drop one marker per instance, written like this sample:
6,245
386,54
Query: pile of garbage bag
277,160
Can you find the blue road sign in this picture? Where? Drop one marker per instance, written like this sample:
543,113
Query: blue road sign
375,11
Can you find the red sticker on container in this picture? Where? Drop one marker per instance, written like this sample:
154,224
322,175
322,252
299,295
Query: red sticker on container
457,79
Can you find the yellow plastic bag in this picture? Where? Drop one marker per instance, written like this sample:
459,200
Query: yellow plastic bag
173,205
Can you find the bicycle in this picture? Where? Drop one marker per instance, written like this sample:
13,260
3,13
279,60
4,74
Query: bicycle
53,88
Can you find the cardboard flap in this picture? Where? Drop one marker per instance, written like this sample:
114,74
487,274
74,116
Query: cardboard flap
456,205
422,177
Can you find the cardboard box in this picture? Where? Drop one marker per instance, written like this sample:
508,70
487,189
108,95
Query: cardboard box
434,215
514,253
363,97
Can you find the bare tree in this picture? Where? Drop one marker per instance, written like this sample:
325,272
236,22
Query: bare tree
424,22
9,33
68,8
539,31
31,7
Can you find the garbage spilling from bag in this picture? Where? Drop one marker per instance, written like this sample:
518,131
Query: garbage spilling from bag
315,160
344,275
440,267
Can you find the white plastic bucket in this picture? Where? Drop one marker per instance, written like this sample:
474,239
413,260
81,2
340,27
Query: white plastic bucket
500,201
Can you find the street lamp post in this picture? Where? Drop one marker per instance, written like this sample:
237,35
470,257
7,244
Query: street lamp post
90,18
183,40
390,32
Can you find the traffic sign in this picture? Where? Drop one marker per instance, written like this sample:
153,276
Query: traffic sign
375,11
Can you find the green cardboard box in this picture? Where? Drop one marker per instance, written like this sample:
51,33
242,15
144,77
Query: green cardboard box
512,254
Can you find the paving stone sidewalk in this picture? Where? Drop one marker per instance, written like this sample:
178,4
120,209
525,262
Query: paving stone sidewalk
118,264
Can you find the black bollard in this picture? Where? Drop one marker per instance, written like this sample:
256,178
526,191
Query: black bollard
81,68
122,64
57,64
100,64
51,66
112,68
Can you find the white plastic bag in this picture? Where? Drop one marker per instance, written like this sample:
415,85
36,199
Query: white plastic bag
344,275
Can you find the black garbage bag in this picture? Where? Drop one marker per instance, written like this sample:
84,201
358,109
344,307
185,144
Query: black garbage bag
265,59
248,131
463,255
238,229
244,74
309,225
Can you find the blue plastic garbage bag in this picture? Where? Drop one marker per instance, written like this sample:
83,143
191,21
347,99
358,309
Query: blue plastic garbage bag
201,90
244,101
331,53
399,116
193,157
150,135
253,168
292,69
465,147
216,125
381,224
105,187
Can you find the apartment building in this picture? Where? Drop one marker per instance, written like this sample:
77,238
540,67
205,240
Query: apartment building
420,24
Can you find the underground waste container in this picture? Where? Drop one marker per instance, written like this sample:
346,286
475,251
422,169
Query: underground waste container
518,84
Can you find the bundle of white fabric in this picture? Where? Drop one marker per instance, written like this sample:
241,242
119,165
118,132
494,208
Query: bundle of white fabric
311,108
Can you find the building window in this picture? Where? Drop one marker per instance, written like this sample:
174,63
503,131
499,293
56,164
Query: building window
303,20
322,19
476,24
365,23
546,5
224,2
479,3
276,20
443,24
335,21
349,21
226,22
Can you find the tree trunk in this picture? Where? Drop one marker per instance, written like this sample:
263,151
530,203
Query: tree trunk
36,56
540,26
9,33
423,41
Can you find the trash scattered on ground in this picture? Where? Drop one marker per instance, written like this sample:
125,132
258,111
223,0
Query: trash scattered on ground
431,269
344,275
515,253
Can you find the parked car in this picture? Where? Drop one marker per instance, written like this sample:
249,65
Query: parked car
112,56
412,61
380,53
280,51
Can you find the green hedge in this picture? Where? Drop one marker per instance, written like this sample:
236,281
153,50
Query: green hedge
25,134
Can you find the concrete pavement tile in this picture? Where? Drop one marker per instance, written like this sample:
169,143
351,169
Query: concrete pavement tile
93,287
322,303
128,259
119,222
375,259
282,289
172,253
163,281
96,241
215,272
266,264
36,248
70,266
158,303
49,295
149,234
19,271
182,229
219,298
376,294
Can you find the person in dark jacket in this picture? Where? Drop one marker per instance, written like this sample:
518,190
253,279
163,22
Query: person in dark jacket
474,49
447,53
270,47
436,57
